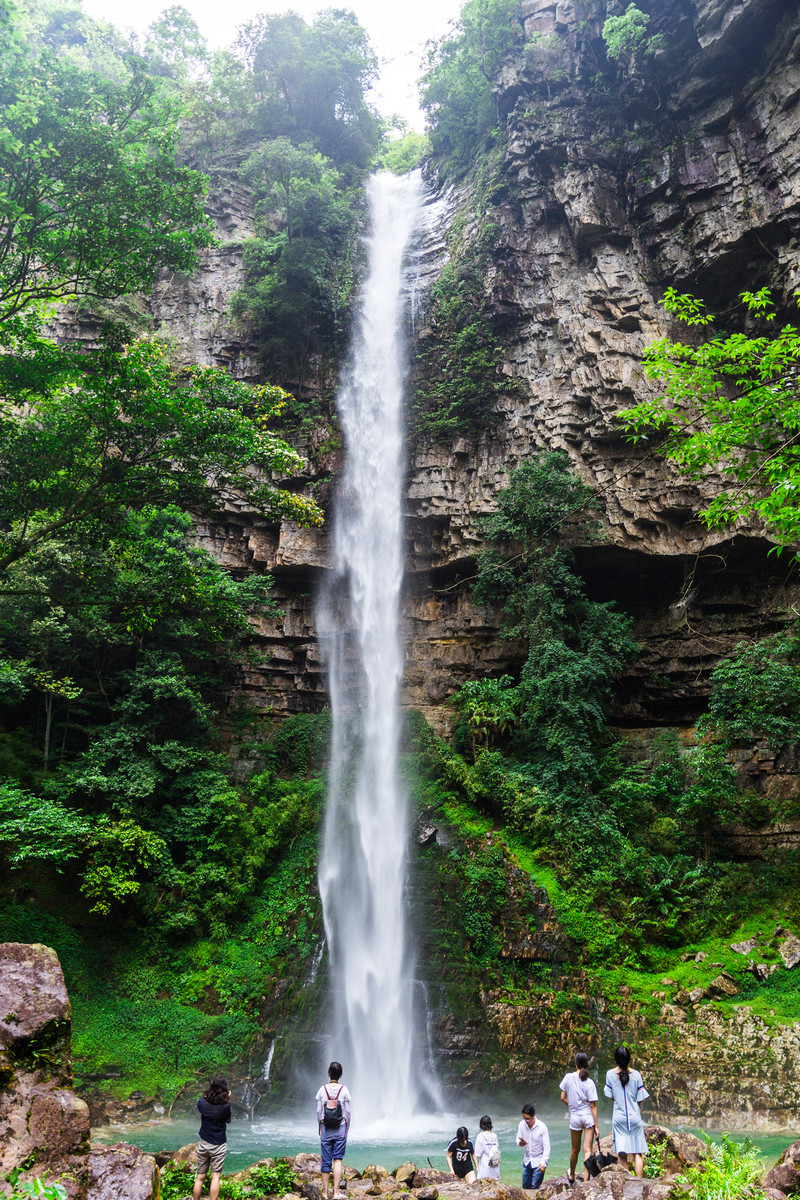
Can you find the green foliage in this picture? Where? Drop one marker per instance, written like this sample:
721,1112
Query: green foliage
456,87
576,646
260,1181
300,265
177,1181
402,154
86,436
726,1169
461,358
311,84
626,37
93,201
23,1189
730,404
489,705
756,692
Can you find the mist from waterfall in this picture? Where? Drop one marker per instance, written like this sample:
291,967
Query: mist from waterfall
363,863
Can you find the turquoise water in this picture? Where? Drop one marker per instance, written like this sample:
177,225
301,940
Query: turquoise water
386,1143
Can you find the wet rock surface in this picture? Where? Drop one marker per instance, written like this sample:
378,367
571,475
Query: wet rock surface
44,1125
785,1175
122,1171
41,1118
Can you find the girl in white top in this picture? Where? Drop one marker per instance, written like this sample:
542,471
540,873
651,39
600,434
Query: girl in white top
486,1148
579,1094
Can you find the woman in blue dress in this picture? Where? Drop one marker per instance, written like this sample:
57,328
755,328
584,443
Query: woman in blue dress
626,1089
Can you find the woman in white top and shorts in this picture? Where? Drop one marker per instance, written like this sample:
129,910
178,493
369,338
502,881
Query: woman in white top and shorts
487,1151
579,1094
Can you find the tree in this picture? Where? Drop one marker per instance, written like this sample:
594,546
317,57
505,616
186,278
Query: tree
731,404
311,82
84,437
456,88
92,201
300,265
175,39
576,646
626,37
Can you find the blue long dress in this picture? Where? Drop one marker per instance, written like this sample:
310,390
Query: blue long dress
626,1120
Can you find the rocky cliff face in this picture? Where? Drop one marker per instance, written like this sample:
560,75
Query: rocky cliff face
685,172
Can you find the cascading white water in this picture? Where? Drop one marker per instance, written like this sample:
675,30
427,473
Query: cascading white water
362,870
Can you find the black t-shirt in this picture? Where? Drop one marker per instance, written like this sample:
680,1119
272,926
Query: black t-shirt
462,1160
214,1118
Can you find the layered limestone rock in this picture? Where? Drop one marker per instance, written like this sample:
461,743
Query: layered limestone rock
681,172
44,1125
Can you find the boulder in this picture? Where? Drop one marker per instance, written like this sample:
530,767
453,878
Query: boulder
186,1154
375,1173
117,1171
682,1149
405,1173
430,1177
789,951
427,1193
785,1175
723,985
555,1187
42,1121
744,947
617,1183
309,1162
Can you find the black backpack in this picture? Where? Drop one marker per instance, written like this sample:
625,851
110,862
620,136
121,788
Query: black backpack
332,1115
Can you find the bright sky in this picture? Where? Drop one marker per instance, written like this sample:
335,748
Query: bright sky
398,30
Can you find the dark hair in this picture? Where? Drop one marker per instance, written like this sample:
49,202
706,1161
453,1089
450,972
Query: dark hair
486,1122
335,1071
582,1062
622,1056
528,1110
217,1091
462,1133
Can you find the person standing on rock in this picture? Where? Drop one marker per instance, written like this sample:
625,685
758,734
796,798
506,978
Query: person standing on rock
215,1114
461,1156
333,1119
579,1094
534,1135
626,1089
487,1151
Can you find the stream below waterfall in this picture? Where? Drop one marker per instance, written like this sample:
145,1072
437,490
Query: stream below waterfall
422,1137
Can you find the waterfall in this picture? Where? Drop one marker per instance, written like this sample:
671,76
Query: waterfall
363,862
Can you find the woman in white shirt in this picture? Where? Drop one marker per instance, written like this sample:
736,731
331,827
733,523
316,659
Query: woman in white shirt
579,1094
487,1151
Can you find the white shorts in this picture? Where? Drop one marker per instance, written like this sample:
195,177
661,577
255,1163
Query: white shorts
580,1123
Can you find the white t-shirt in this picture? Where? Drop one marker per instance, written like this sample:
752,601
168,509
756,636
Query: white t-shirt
580,1093
485,1143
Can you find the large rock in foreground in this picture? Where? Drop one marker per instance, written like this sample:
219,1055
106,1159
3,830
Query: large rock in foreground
785,1175
122,1171
42,1121
41,1118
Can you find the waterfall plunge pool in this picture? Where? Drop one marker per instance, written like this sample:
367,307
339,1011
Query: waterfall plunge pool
388,1142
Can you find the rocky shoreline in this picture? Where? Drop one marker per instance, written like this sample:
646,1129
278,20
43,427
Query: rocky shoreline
680,1152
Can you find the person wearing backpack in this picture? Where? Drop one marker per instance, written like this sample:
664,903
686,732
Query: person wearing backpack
487,1151
333,1119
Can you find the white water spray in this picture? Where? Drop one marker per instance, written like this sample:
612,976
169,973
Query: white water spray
362,871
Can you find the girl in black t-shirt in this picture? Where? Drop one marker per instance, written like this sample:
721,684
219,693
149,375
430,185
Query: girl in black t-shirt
461,1156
